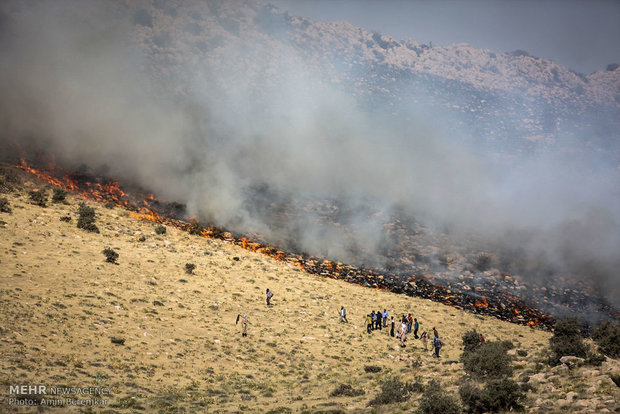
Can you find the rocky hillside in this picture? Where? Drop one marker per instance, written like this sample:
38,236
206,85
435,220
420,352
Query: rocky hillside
511,98
160,338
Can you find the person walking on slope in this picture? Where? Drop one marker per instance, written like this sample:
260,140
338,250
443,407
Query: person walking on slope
409,323
416,326
378,324
385,317
244,324
343,315
368,323
424,338
269,296
373,320
437,345
392,329
403,332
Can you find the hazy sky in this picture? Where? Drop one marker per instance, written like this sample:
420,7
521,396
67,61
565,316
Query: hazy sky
578,34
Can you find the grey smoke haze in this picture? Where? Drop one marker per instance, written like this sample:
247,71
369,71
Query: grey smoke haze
580,35
212,133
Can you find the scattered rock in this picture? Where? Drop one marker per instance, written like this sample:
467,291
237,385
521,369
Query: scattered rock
572,361
118,341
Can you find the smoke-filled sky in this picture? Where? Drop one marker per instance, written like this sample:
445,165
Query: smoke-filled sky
580,35
189,103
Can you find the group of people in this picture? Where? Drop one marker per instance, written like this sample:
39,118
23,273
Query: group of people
378,320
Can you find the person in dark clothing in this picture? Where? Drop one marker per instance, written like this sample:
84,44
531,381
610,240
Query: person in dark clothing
435,334
392,328
416,326
409,323
437,345
373,320
269,296
379,320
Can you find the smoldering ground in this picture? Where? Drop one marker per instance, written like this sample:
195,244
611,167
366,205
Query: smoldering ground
239,126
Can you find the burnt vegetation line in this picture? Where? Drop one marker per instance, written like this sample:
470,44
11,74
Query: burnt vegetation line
488,301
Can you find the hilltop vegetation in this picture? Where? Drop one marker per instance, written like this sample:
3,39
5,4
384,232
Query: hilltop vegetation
164,339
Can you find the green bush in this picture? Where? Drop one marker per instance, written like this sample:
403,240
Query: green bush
435,400
86,219
5,207
607,337
110,255
489,360
567,341
347,391
594,359
393,390
371,368
38,197
471,341
497,395
189,268
160,229
59,196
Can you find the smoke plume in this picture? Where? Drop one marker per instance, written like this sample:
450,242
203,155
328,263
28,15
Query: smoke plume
244,130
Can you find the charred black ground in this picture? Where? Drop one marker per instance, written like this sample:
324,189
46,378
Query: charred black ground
408,271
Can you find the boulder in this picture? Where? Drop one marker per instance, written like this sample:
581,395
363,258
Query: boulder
572,361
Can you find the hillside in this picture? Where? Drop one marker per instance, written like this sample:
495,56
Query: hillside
61,304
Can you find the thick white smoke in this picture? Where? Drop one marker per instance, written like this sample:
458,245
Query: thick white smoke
242,121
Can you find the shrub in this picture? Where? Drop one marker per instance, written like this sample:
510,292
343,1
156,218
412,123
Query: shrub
594,359
393,390
38,197
566,340
86,220
8,180
497,395
615,378
482,262
5,207
489,360
189,268
195,228
160,229
471,341
110,255
347,390
372,368
437,401
65,218
607,337
59,196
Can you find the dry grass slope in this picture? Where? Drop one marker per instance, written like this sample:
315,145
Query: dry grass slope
61,304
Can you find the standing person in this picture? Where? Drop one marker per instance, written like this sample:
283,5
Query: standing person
403,333
424,338
373,319
343,315
437,345
435,334
379,320
416,326
392,329
269,296
368,323
244,324
409,323
386,315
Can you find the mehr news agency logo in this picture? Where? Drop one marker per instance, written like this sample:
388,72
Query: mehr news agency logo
46,396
